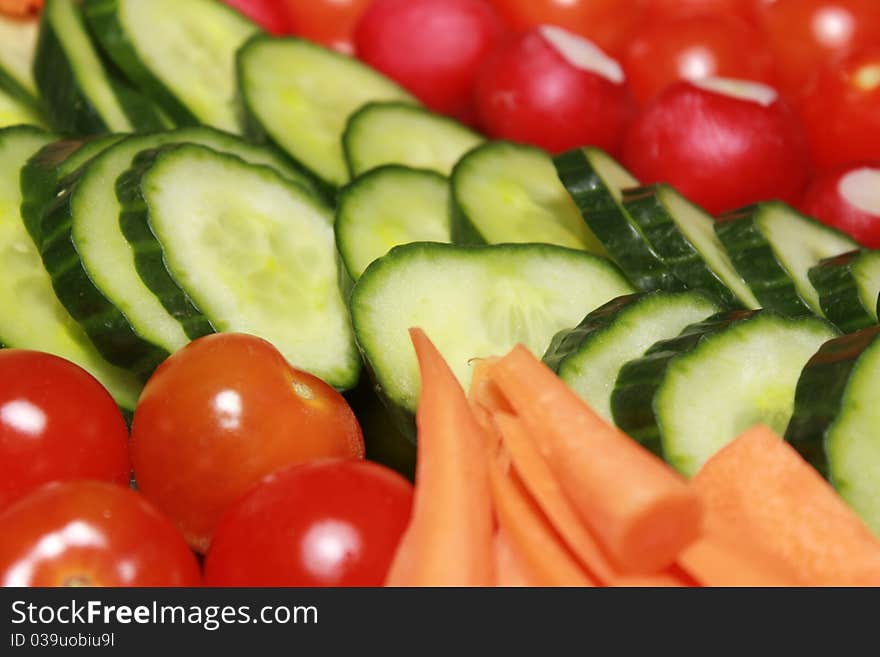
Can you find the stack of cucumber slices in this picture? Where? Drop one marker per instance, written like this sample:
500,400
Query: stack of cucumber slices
207,177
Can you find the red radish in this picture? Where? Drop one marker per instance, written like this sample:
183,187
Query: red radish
431,47
268,14
848,199
722,143
554,89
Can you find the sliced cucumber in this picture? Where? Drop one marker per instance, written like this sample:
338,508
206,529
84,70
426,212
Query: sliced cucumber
81,96
92,263
19,39
773,248
684,238
504,193
689,396
589,356
32,317
254,252
402,133
386,207
300,95
595,181
836,417
848,288
15,112
473,302
44,172
181,54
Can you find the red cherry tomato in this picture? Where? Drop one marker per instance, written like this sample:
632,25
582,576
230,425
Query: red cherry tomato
89,533
719,150
848,199
804,34
222,413
330,22
431,47
554,89
333,523
56,422
268,14
695,47
842,111
608,23
660,10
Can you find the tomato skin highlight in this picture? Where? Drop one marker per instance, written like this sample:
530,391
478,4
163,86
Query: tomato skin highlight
695,47
841,111
220,414
329,523
100,535
824,199
720,152
529,92
328,22
57,422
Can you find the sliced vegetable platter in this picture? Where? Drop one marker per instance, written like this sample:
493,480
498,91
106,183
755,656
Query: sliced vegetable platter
160,186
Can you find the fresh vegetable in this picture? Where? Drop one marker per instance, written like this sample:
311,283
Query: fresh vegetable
641,512
19,39
504,192
682,235
691,47
400,133
271,15
595,182
589,356
222,413
448,541
81,95
299,96
835,419
511,568
433,48
328,22
454,294
721,143
329,523
35,319
386,207
554,89
56,423
848,199
690,395
773,248
848,288
658,10
186,68
89,533
20,8
727,560
759,485
840,110
15,112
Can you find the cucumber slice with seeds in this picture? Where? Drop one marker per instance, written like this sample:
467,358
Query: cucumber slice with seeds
773,247
595,181
386,207
19,39
684,238
848,288
504,193
34,318
400,133
589,356
473,301
46,170
185,64
92,264
300,95
689,396
81,95
836,416
255,253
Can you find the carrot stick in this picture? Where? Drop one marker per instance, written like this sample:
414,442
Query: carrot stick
719,561
541,549
672,578
641,511
449,538
510,570
759,485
